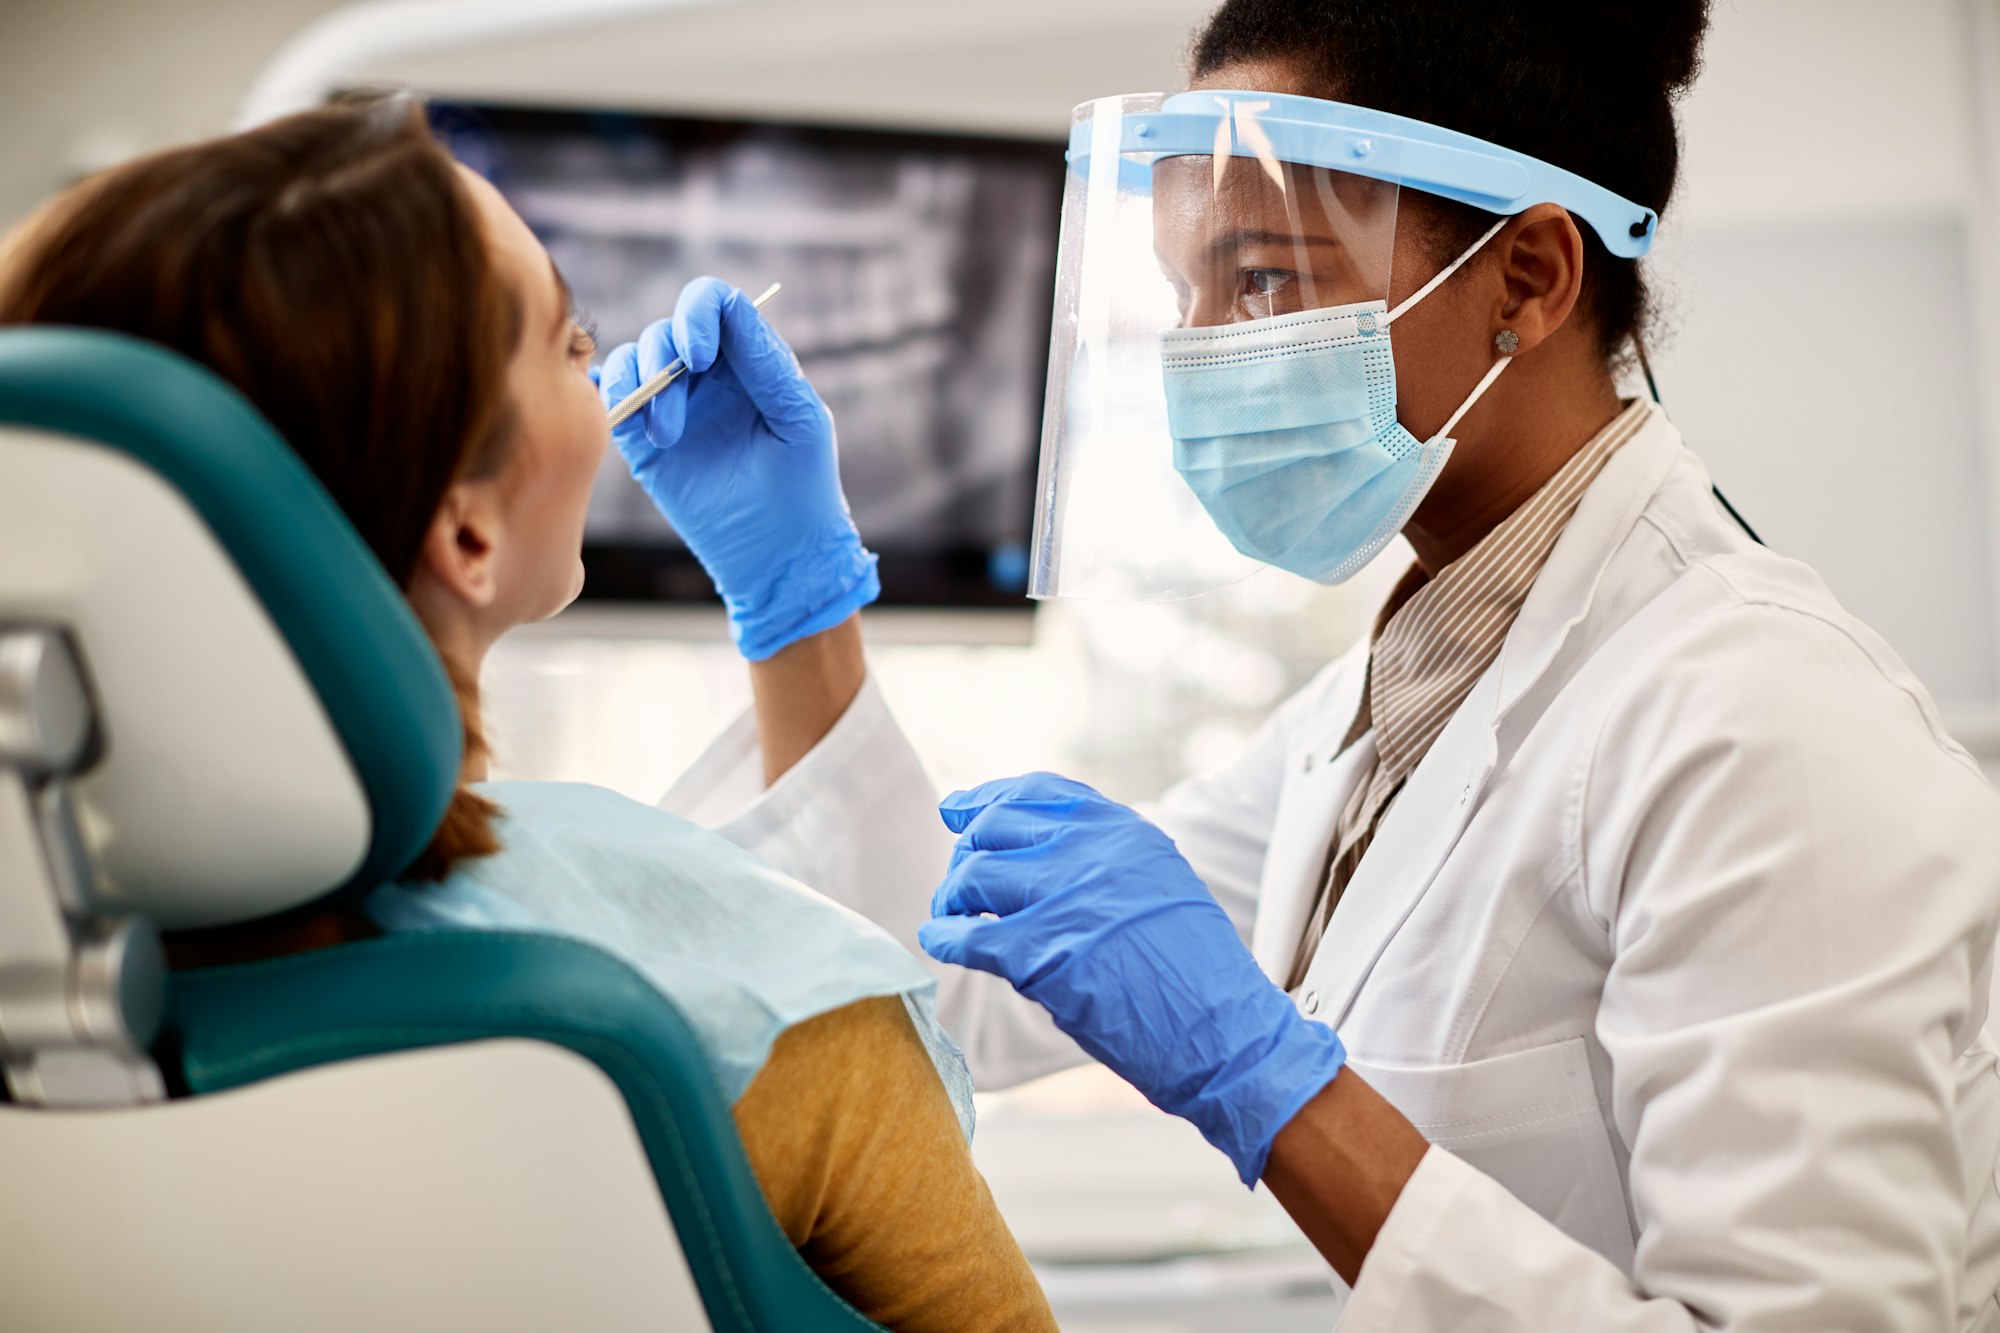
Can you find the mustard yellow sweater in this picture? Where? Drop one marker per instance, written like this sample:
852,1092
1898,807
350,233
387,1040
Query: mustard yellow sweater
855,1143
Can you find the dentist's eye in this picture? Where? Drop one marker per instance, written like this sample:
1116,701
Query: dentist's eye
1265,282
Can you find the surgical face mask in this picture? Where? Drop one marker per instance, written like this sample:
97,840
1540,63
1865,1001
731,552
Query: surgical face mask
1285,428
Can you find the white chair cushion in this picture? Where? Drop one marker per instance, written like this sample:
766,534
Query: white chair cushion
223,792
288,1205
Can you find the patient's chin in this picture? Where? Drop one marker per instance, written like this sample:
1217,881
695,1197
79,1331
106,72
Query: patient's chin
575,591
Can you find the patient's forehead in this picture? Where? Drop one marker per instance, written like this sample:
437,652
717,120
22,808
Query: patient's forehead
518,255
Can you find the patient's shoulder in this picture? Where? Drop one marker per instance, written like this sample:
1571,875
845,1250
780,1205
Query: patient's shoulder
859,1153
850,1089
861,1068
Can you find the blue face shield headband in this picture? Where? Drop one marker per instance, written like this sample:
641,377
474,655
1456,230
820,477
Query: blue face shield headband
1222,393
1357,141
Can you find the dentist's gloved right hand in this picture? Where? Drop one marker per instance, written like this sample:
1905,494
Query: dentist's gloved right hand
1103,923
739,455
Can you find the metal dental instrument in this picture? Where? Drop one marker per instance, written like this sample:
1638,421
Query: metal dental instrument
645,393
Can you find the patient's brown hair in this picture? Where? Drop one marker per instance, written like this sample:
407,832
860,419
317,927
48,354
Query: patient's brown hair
333,269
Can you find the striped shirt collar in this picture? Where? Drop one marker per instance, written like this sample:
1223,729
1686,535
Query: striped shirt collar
1437,637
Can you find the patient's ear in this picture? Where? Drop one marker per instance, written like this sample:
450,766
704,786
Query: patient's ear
458,557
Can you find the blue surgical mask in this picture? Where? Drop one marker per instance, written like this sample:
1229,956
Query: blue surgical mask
1285,428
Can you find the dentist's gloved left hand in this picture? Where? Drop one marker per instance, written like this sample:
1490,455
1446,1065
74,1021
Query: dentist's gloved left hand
739,455
1097,917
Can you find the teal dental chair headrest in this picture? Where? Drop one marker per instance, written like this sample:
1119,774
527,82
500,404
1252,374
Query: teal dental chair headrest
235,629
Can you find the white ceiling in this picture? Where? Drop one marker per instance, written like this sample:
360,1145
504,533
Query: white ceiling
1003,68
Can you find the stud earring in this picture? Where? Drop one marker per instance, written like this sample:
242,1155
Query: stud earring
1506,342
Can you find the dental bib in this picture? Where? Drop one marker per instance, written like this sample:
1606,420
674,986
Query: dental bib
742,951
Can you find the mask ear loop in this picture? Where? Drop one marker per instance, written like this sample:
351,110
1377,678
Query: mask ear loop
1485,383
1492,371
1449,269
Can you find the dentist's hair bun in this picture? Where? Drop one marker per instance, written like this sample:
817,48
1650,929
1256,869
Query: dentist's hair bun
1588,85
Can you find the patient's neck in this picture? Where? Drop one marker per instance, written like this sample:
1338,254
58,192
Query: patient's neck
462,643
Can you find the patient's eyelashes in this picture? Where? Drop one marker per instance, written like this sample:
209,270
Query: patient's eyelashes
583,336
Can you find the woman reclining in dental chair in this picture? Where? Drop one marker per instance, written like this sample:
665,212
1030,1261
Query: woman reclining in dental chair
411,340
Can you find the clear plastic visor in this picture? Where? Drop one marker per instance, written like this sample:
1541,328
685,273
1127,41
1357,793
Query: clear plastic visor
1162,246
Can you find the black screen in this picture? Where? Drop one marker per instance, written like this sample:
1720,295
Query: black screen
918,276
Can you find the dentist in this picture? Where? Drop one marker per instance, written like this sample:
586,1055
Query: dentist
1603,944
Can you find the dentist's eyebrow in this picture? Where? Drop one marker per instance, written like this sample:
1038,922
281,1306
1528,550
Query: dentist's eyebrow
1225,245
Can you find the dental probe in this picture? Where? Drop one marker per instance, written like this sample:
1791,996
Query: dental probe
645,393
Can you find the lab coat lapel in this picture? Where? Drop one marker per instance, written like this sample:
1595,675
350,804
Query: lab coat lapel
1418,833
1567,586
1425,822
1323,778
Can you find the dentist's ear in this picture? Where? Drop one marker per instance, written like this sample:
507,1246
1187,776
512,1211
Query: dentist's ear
1540,257
458,559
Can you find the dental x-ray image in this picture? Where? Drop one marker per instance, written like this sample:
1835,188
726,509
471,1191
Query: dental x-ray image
918,274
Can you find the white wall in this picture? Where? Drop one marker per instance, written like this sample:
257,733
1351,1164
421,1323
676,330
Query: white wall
1832,354
1839,107
84,83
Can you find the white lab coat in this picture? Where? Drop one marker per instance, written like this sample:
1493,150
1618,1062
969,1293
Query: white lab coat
1676,945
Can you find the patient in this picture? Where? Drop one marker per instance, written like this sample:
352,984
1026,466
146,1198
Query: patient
404,331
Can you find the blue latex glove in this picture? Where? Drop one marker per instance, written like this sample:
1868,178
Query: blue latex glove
739,455
1102,922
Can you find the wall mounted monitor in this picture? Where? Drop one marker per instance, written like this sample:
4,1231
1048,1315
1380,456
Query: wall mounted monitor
918,275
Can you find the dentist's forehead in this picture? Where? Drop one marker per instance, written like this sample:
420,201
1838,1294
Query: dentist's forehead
1253,195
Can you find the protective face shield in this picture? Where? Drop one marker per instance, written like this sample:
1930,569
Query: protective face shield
1221,389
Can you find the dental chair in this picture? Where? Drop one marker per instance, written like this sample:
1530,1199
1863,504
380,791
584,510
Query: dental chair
215,707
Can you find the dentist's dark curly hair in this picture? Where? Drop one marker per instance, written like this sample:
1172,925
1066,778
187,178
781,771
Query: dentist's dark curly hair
1588,85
